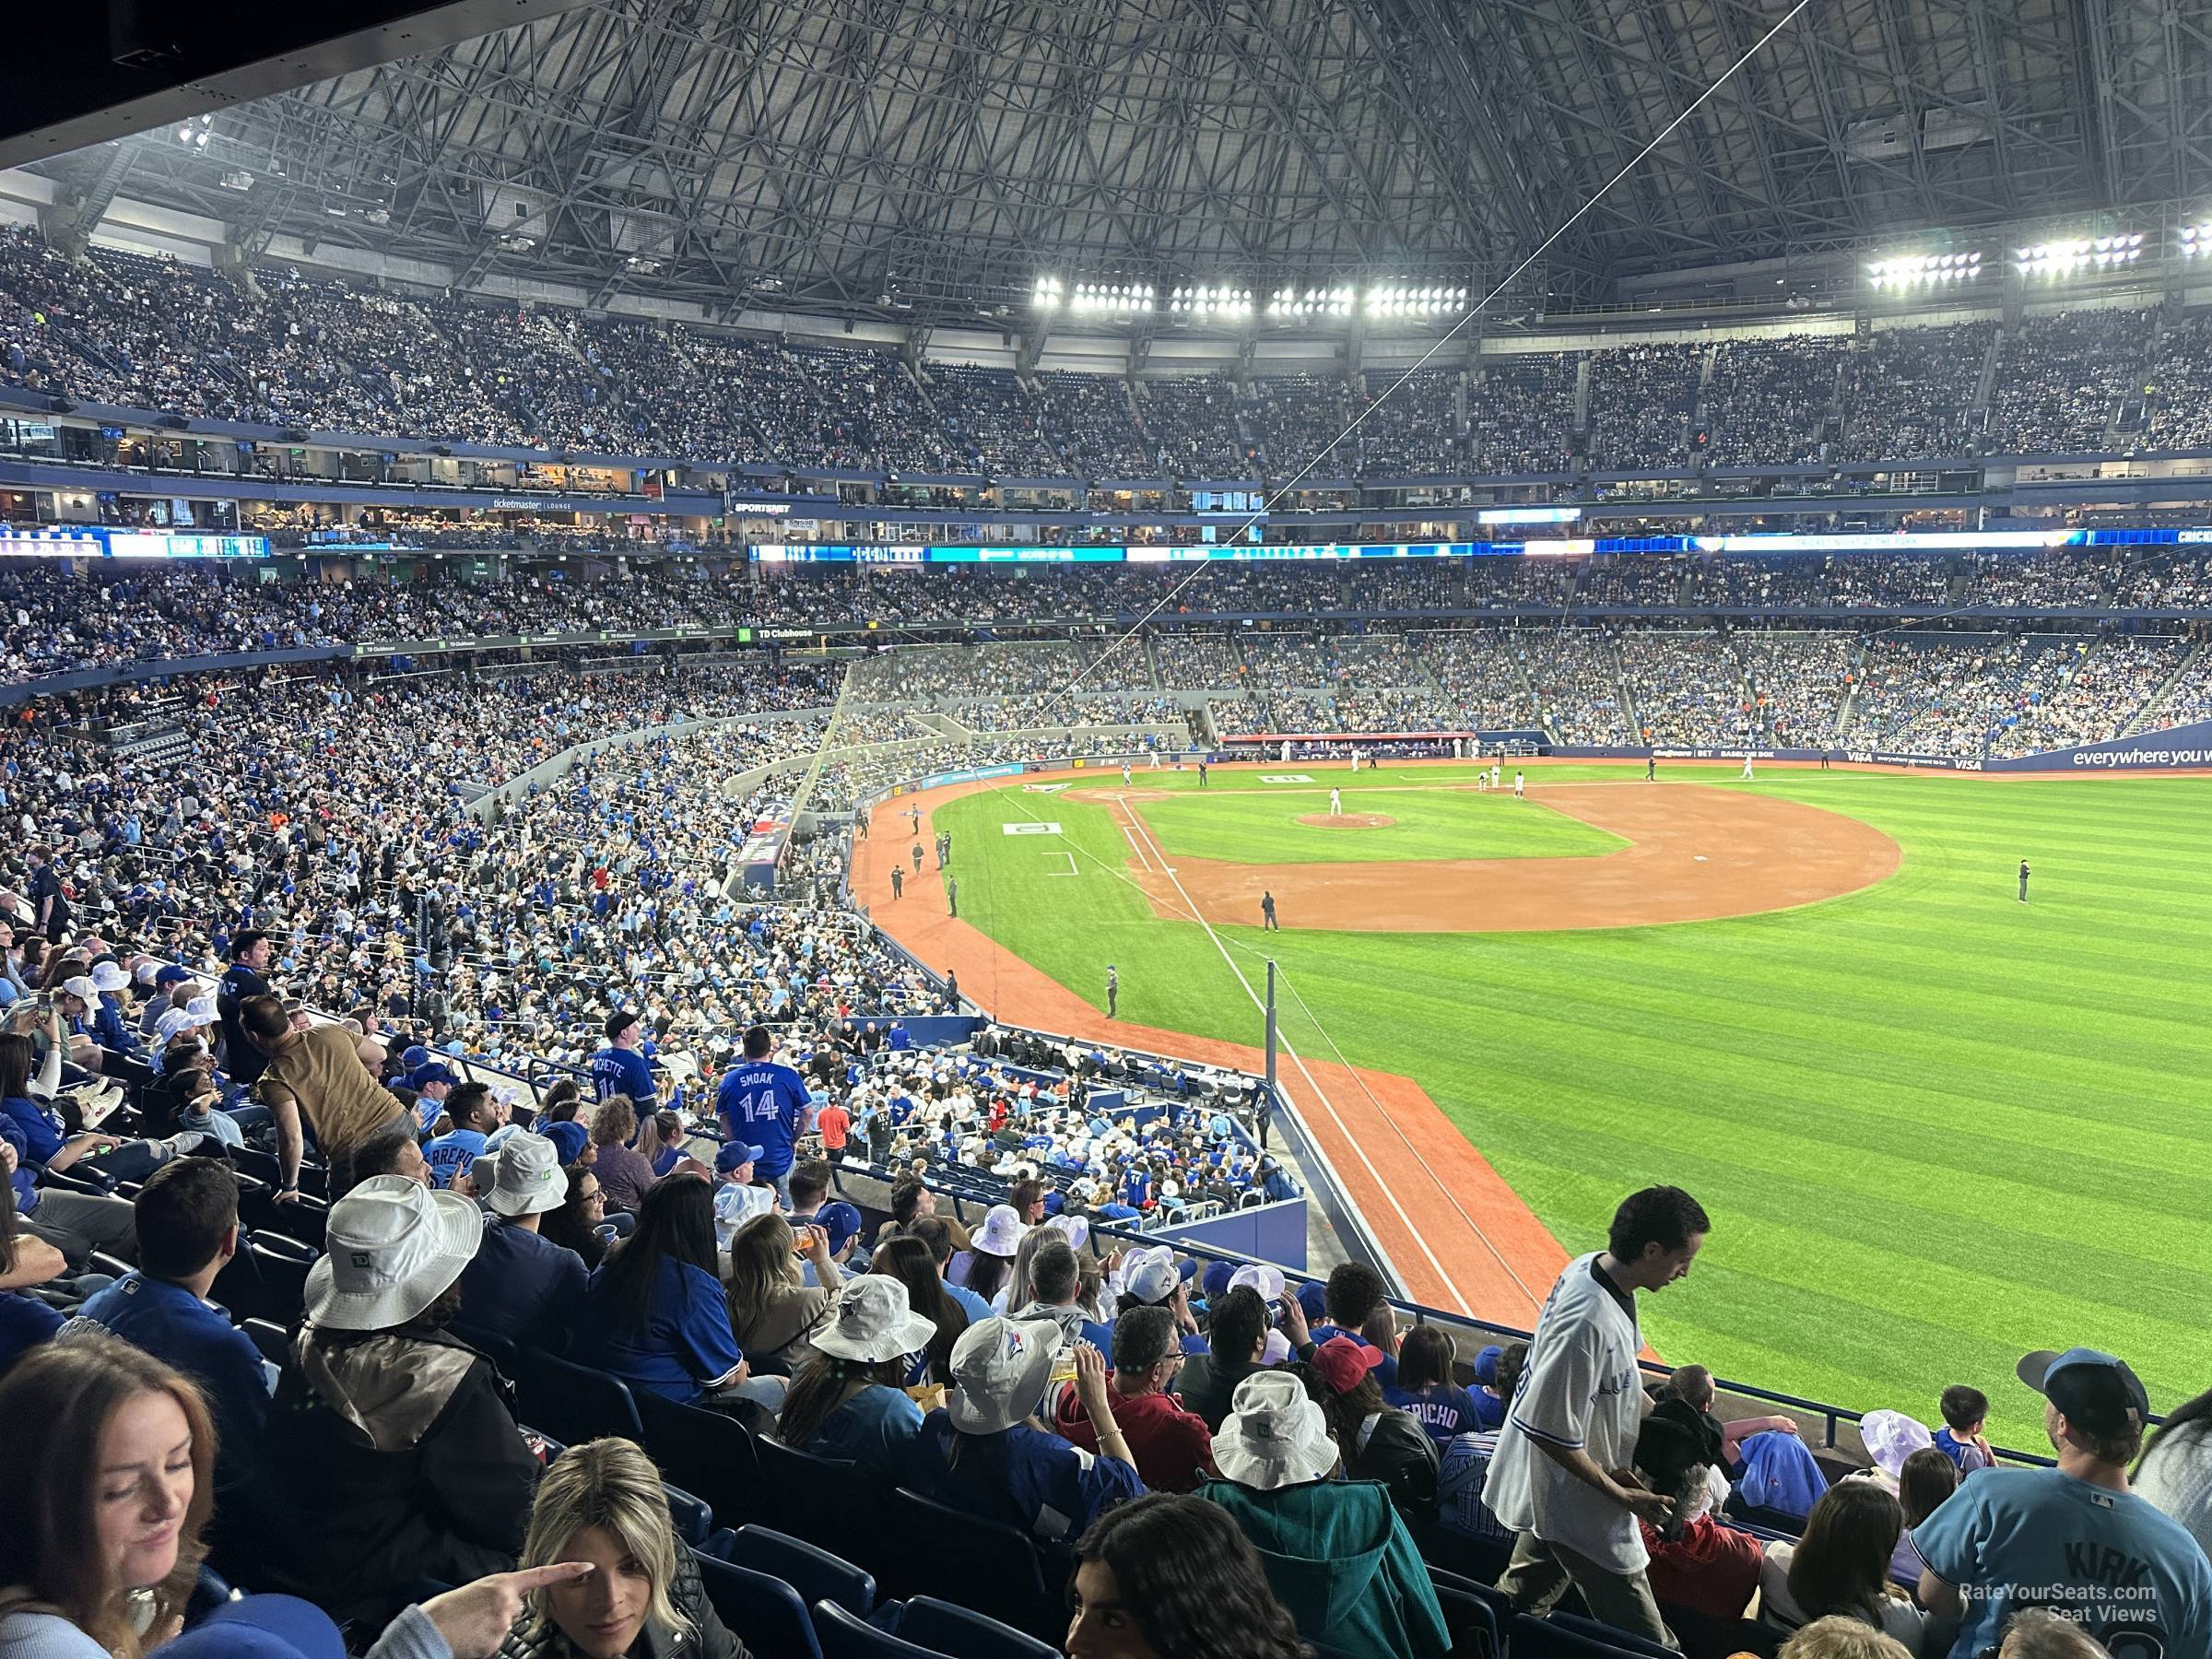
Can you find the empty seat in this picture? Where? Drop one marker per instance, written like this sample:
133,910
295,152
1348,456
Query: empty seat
693,1521
713,1454
764,1613
1565,1637
815,1499
937,1624
815,1573
272,1340
845,1637
987,1565
574,1403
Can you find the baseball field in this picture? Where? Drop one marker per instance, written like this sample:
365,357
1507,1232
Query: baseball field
1934,1127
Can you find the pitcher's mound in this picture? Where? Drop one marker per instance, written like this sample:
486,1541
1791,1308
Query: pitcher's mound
1349,820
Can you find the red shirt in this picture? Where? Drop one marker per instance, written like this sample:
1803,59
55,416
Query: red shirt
835,1122
1713,1568
1174,1448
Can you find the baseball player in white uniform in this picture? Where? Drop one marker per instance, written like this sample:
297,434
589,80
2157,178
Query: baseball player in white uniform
1520,786
1336,803
1497,775
1747,768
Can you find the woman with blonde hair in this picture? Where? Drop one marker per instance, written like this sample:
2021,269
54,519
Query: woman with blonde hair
1837,1637
771,1305
113,1475
603,1503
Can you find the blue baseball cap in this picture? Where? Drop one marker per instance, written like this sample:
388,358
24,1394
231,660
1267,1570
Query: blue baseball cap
1215,1283
1314,1297
840,1220
1485,1364
415,1057
426,1075
734,1153
171,974
262,1627
569,1139
2093,1390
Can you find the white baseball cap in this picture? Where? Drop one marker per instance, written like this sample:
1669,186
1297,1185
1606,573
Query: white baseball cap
394,1246
81,987
1152,1275
1267,1280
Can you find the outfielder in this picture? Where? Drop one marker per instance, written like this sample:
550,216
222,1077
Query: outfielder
1747,768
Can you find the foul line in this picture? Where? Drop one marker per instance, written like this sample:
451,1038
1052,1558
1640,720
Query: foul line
1388,1192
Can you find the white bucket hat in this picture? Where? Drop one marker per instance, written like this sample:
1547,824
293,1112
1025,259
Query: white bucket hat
395,1245
1274,1435
1075,1230
201,1011
108,976
1002,1232
1890,1437
529,1179
1000,1368
872,1321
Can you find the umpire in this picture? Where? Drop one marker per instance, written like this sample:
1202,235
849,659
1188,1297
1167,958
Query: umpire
2023,881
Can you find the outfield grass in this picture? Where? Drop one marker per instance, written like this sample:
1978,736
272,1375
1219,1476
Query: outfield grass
1936,1128
1252,827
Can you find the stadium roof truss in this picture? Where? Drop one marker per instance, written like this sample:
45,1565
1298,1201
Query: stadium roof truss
937,156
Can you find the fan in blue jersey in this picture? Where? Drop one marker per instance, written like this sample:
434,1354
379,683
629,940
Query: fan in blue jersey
765,1105
620,1068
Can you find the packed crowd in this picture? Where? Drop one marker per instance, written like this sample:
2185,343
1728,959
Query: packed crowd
2088,695
1195,1459
2061,378
296,350
1685,685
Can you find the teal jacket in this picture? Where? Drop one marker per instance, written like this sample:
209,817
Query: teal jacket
1341,1559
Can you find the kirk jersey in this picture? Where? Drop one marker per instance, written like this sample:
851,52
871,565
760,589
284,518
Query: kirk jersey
764,1104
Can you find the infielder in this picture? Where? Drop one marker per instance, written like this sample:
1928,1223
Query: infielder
1520,787
1335,802
1497,775
1747,768
1124,774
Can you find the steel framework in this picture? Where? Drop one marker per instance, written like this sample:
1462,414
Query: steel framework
932,157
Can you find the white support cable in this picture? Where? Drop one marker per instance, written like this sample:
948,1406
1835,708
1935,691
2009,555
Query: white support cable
1444,339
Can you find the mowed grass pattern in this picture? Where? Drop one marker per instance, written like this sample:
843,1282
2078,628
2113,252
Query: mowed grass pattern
1250,827
1936,1128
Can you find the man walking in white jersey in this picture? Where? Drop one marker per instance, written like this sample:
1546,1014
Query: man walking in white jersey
1559,1477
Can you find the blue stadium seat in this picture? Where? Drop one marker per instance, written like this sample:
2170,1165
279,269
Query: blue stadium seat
1598,1632
574,1403
950,1630
1473,1621
712,1451
1530,1638
816,1498
987,1565
814,1572
267,1279
764,1613
693,1521
274,1341
845,1637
